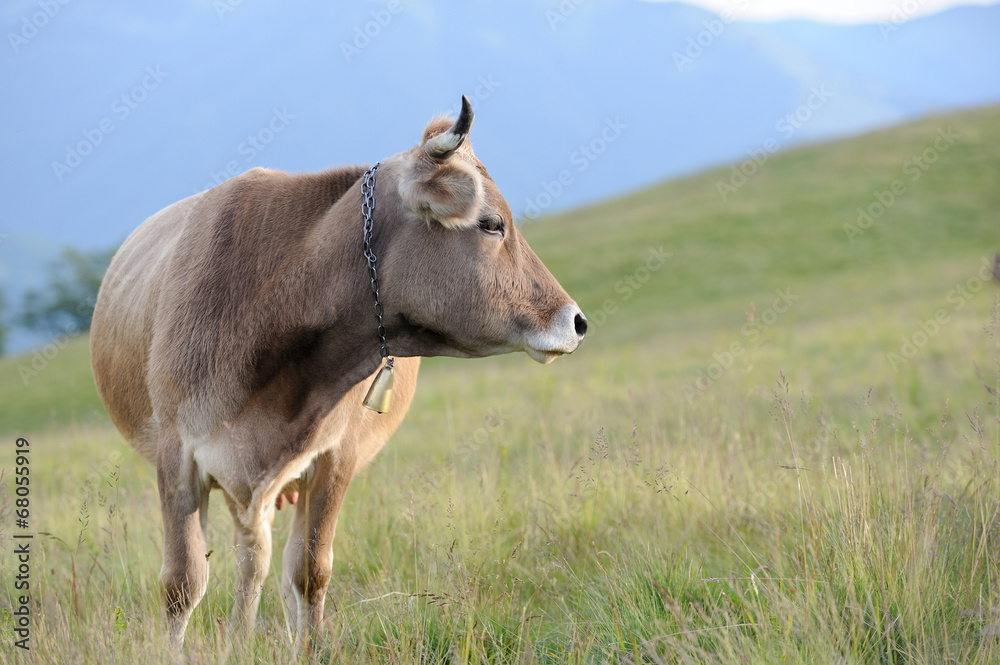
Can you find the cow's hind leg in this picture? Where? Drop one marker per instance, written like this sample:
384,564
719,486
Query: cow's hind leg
308,557
184,504
253,559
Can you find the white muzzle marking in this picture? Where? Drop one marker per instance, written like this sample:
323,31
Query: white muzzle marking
566,331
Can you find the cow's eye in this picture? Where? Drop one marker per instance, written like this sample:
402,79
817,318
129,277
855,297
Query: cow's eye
492,224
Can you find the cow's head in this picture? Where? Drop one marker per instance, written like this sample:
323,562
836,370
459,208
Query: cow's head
457,277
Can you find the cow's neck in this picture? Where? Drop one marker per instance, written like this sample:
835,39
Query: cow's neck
340,288
340,273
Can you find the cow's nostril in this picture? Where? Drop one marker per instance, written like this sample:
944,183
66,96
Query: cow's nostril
580,322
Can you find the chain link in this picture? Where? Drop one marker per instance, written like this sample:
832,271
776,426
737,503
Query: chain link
367,212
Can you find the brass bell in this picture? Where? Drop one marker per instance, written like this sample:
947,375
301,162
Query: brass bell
380,394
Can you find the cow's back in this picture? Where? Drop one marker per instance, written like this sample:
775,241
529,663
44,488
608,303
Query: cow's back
122,328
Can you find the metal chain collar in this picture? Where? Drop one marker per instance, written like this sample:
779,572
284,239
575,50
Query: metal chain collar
367,211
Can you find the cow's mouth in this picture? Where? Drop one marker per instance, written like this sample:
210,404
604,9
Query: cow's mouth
544,357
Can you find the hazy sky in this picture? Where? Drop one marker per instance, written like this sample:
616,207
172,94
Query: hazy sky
831,11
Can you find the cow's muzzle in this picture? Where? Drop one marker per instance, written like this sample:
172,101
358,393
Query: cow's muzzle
567,328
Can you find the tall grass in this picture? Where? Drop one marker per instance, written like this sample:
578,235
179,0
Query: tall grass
775,530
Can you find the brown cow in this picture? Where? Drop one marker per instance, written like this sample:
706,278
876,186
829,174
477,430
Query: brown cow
234,339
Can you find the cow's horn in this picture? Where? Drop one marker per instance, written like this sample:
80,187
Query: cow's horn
443,145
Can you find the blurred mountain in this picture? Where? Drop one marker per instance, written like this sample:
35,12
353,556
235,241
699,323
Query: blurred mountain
116,112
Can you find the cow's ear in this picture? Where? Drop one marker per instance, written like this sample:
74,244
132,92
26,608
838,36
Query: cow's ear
450,194
441,187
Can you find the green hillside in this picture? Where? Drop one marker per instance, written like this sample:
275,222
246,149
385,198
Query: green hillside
786,227
780,442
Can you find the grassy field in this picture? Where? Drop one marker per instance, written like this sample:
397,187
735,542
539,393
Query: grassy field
778,445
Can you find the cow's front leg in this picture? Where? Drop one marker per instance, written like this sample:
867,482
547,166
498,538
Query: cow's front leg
184,504
308,558
252,546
